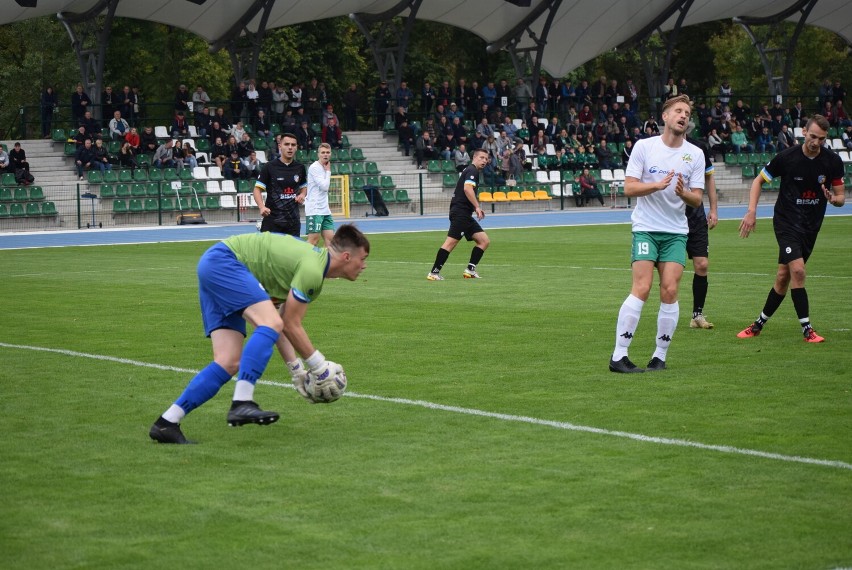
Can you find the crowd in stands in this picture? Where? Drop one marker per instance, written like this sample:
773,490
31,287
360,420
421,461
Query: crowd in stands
555,125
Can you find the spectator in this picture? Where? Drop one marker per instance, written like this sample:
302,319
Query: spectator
542,95
92,126
128,101
264,97
785,138
18,159
826,94
589,189
5,161
49,102
461,158
447,144
80,103
238,131
189,158
252,165
238,102
101,156
797,115
279,103
351,102
305,136
846,137
763,141
406,137
483,131
459,131
504,96
84,158
838,93
262,127
296,94
233,169
118,127
80,137
332,135
200,100
148,140
180,126
327,114
127,156
381,102
523,94
400,116
224,121
219,152
715,142
424,149
404,96
182,98
840,116
493,149
245,147
216,132
739,142
313,100
164,155
606,159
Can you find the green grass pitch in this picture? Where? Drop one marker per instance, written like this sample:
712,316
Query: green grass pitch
482,430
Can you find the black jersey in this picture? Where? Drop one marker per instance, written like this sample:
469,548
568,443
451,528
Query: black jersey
697,215
460,205
801,203
282,183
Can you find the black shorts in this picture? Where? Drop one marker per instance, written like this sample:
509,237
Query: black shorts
463,225
698,240
269,225
793,245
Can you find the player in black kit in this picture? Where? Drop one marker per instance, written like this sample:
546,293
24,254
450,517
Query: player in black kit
698,240
285,182
807,171
462,207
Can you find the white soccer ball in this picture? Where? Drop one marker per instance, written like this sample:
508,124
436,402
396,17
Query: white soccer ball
326,391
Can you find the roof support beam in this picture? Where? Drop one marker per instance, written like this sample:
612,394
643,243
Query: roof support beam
526,67
389,42
242,44
90,38
776,44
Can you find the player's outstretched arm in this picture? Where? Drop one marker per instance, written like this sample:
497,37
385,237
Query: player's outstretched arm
838,198
750,219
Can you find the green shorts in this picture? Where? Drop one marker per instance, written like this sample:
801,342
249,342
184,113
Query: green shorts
316,224
659,246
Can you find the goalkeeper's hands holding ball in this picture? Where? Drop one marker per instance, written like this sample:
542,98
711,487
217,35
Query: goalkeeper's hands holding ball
325,380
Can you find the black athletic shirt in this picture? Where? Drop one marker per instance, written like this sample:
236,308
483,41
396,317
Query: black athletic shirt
282,183
697,214
801,203
460,205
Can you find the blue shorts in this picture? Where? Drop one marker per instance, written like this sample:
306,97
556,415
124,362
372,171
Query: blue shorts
225,288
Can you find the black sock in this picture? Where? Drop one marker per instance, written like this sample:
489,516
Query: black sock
773,301
475,258
699,294
800,303
440,260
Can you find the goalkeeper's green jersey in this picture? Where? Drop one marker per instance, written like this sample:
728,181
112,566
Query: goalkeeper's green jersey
282,263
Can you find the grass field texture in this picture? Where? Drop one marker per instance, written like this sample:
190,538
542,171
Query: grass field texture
482,428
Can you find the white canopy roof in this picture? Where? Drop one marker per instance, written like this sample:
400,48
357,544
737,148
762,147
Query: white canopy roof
581,29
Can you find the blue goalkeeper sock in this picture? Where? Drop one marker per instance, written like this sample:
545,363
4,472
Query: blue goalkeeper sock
256,354
204,386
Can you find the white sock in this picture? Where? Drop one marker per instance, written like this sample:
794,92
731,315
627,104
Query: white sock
666,324
243,391
174,414
628,320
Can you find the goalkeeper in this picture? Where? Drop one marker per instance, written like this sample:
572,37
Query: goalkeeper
235,280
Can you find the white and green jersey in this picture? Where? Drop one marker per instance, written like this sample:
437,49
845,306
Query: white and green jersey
650,161
319,180
282,263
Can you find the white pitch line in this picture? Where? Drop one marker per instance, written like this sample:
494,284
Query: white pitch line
483,414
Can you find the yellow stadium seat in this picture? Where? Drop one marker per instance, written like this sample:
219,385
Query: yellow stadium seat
527,195
500,197
486,197
541,195
513,196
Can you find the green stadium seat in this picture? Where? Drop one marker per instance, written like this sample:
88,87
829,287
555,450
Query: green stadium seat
70,149
450,180
153,189
138,191
302,155
402,196
372,168
261,144
748,171
110,177
140,175
59,135
143,160
5,194
33,209
113,147
731,159
107,191
4,211
343,169
358,197
212,203
357,154
317,142
16,210
169,174
387,183
344,141
373,181
125,175
119,207
433,166
36,193
48,209
389,127
21,195
151,205
202,145
155,174
94,177
529,177
122,191
166,204
357,182
388,196
200,187
334,168
185,174
447,167
275,129
136,206
343,155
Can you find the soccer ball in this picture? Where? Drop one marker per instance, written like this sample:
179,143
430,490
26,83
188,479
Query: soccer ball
326,391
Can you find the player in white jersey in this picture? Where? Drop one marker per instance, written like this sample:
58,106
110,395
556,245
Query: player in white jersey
664,174
318,218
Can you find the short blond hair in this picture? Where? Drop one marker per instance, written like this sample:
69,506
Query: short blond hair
325,145
677,99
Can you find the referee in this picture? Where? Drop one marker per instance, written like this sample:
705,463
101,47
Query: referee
285,182
806,171
462,208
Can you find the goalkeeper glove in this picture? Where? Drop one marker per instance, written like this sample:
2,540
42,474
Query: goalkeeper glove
327,381
299,375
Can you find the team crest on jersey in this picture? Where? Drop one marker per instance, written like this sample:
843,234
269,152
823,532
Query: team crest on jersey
296,178
821,179
686,157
